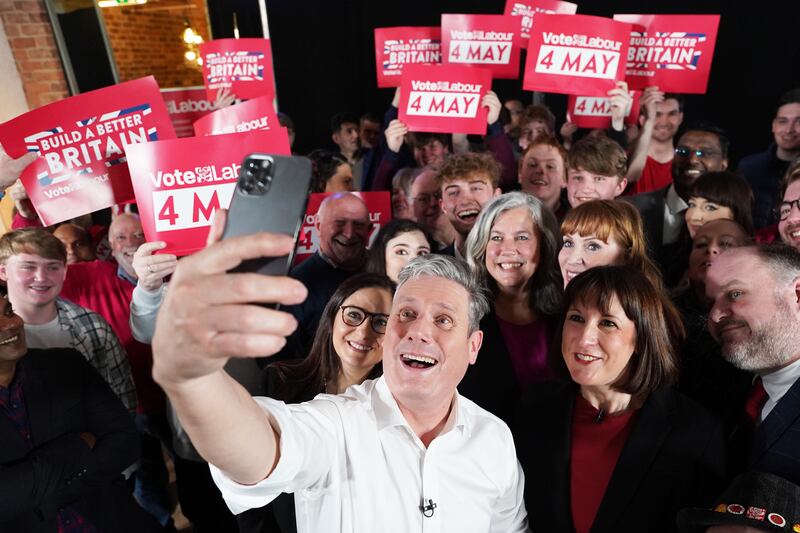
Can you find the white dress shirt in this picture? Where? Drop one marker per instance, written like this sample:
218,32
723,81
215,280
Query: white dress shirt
777,384
674,218
355,465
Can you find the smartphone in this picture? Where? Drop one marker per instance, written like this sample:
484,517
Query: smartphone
271,195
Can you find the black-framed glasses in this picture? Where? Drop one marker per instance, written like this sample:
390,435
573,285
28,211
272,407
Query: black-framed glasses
354,316
683,151
786,207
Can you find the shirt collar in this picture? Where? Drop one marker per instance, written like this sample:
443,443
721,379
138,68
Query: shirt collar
675,203
388,414
122,274
777,383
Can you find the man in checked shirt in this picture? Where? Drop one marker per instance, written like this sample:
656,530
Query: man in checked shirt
33,265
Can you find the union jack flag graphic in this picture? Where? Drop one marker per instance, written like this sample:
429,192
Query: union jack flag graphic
32,141
259,73
694,59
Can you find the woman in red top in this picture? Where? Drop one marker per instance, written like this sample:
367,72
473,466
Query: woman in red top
615,449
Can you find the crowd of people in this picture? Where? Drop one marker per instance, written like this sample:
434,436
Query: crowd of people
558,331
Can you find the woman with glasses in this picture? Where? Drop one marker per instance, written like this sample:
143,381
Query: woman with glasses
513,245
789,209
346,351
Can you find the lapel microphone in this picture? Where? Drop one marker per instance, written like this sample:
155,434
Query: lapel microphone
599,417
427,510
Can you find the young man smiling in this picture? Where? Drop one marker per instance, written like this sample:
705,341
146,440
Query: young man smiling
467,183
596,170
33,265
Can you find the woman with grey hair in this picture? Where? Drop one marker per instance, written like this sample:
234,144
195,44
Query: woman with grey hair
513,247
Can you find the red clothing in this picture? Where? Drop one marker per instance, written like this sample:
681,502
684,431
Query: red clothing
655,176
596,446
527,346
95,285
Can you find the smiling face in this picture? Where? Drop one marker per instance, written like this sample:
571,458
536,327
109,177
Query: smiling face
597,346
668,120
125,236
786,127
428,345
753,317
343,225
711,240
687,166
424,199
701,211
431,154
584,186
542,174
579,253
12,333
359,347
512,253
463,199
33,281
403,248
789,227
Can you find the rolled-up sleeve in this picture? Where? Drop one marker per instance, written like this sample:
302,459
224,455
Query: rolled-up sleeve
308,445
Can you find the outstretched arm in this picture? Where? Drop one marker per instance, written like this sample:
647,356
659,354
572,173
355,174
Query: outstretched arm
208,316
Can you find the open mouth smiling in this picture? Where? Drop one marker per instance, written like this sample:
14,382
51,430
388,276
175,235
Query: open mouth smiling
418,361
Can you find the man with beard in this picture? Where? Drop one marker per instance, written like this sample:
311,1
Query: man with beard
702,148
764,170
755,317
343,225
466,183
651,161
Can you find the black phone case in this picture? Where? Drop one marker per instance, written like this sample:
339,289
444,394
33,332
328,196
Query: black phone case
279,210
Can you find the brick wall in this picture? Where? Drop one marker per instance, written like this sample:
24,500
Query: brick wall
147,40
31,39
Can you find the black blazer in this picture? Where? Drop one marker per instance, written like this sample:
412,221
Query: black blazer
492,382
64,397
673,458
776,447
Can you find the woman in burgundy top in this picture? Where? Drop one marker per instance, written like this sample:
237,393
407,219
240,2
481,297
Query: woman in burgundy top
616,450
513,245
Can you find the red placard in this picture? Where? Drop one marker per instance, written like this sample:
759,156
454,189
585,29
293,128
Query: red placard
444,98
405,45
525,10
595,111
242,65
576,54
185,105
82,141
179,184
379,205
255,114
673,52
488,41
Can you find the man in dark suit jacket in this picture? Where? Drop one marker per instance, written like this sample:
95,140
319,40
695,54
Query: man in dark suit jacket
756,319
66,439
702,148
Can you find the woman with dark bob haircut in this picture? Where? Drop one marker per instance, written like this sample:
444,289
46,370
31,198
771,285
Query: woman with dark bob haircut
346,351
615,449
397,243
716,195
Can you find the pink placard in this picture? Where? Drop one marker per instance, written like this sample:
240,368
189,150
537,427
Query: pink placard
255,114
180,183
444,98
488,41
400,46
673,52
576,54
595,111
82,142
185,105
244,66
526,10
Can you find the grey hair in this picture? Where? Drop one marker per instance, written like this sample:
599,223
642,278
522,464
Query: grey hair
404,177
546,284
781,259
453,269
